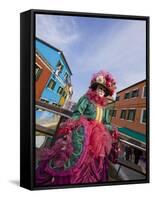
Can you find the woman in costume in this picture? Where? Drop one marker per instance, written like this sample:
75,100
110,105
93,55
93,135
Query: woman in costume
84,144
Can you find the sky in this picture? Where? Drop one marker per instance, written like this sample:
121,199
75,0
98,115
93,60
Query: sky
93,44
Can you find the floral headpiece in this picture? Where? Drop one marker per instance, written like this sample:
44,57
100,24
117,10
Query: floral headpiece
105,79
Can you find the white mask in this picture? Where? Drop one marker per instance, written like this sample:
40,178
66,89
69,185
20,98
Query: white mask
100,92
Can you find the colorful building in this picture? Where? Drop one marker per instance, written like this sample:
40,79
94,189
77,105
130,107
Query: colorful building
42,75
53,84
129,112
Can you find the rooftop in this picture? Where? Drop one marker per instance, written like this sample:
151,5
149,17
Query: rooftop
135,84
56,49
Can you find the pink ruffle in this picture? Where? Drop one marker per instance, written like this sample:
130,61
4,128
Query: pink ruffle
95,98
90,167
97,145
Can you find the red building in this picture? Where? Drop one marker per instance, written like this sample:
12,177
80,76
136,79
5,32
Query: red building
42,74
129,111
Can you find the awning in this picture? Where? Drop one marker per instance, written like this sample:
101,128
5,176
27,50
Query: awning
133,134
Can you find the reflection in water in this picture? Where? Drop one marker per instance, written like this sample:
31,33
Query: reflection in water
47,119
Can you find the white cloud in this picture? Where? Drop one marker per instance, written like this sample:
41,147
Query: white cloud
121,52
56,30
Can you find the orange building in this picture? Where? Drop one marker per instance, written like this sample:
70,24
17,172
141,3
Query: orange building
42,74
129,110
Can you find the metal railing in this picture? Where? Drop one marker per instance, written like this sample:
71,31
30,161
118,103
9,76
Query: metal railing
54,109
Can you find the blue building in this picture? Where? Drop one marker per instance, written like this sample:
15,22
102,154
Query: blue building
58,88
61,76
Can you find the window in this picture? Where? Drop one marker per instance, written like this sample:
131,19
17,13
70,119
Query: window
66,77
123,114
51,84
135,93
55,104
127,95
38,71
110,112
60,90
59,68
144,91
64,94
143,119
59,65
117,98
114,113
131,114
44,100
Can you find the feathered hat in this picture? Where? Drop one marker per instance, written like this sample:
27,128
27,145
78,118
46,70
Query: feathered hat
106,80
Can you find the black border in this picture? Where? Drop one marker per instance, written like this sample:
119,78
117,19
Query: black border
27,80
